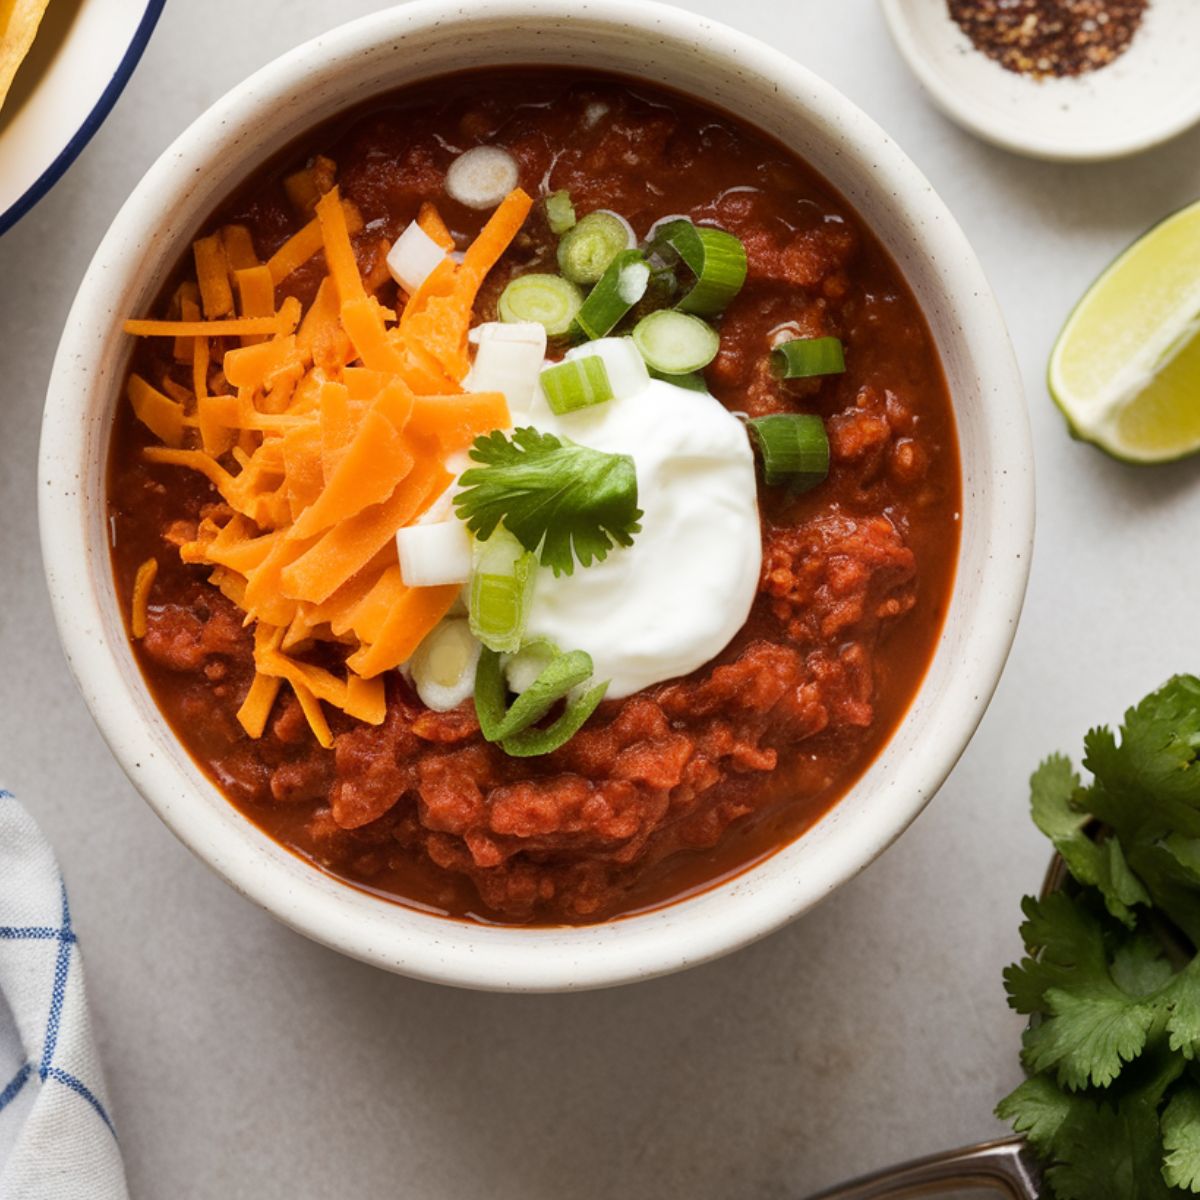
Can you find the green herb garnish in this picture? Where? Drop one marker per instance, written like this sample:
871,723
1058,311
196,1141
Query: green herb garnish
1112,983
560,500
501,591
565,677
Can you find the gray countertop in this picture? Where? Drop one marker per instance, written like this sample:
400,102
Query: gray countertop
244,1061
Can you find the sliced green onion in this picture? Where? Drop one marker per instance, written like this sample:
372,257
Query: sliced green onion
560,212
715,258
627,373
548,300
693,381
621,286
794,449
491,695
560,676
499,723
501,591
590,245
482,176
652,233
576,383
443,667
804,358
660,291
675,343
531,742
514,728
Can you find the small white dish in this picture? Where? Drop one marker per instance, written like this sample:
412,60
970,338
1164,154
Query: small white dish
1149,94
637,38
78,65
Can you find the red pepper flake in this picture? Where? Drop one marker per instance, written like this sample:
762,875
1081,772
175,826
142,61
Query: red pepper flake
1050,37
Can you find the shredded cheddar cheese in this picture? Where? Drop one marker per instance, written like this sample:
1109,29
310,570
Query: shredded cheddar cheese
430,220
324,430
197,328
142,583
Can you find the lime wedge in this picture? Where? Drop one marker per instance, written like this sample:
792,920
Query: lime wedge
1126,368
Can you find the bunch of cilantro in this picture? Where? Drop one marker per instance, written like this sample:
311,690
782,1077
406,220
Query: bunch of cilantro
1112,981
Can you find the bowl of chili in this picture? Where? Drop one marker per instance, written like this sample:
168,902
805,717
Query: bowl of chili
881,521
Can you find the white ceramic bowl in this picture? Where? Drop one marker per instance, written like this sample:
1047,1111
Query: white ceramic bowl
429,38
1147,95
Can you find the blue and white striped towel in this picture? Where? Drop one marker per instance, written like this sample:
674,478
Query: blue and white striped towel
56,1137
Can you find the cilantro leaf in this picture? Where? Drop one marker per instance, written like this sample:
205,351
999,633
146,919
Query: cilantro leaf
1067,944
1181,1140
1151,775
1107,1152
1186,853
557,498
1098,1145
1100,991
1037,1109
1175,893
1139,967
1053,788
1111,981
1088,1036
1183,1020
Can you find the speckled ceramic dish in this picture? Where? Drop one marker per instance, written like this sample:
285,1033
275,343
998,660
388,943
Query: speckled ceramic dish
761,86
1149,94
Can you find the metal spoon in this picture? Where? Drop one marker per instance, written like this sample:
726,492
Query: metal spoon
1008,1166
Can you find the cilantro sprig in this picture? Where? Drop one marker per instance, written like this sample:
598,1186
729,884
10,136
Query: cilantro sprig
563,501
1112,979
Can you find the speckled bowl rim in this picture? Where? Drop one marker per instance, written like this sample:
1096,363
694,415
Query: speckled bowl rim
695,55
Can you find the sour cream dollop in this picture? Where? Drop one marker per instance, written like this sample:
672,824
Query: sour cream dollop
673,600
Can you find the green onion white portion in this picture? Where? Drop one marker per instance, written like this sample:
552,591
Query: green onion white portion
633,280
443,668
508,359
434,554
482,177
550,300
522,668
676,343
413,257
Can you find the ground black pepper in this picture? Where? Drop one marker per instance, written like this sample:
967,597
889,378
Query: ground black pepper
1050,37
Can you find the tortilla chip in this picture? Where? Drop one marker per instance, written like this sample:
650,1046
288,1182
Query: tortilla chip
19,21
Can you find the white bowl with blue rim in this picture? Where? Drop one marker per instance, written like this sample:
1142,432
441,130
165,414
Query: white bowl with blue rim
80,61
423,40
